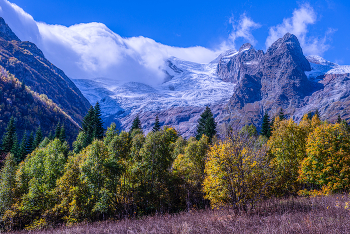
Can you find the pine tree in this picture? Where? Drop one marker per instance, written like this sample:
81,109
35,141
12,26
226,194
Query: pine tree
281,114
62,136
266,127
38,138
51,136
8,137
136,124
58,131
30,143
317,113
98,123
15,147
88,122
156,126
23,148
339,120
206,125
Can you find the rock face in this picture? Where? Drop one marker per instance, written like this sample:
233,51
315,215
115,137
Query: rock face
26,61
278,79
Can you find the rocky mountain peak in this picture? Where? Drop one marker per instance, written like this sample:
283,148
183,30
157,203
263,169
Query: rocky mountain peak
246,46
288,49
6,33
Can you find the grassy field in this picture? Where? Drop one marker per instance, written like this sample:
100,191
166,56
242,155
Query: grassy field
330,214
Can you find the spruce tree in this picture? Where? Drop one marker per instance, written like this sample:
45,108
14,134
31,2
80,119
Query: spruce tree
58,131
339,120
15,147
156,126
51,136
38,138
281,114
317,113
136,124
88,122
30,143
266,127
8,137
206,125
23,148
62,136
98,123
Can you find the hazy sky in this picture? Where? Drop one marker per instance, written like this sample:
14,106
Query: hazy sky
145,32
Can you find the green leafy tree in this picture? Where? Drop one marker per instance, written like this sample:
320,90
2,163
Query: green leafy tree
9,136
156,126
266,126
110,133
7,184
136,124
206,125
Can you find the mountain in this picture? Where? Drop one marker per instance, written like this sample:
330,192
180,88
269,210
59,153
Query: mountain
30,109
239,86
284,78
179,100
28,64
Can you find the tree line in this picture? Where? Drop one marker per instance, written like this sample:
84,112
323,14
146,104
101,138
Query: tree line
117,174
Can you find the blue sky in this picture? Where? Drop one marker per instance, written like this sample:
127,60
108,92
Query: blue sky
191,23
135,37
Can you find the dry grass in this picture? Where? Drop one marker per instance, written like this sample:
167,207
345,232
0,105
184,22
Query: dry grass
301,215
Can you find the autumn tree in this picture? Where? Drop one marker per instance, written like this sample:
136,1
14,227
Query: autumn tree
327,165
237,172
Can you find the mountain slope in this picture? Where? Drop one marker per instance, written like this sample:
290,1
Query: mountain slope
29,65
30,109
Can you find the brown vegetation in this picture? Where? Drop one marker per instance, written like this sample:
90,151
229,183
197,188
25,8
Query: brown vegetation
328,214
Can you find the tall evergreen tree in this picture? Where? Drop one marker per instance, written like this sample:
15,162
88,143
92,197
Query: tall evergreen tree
62,134
38,138
98,123
339,120
317,113
156,126
58,130
88,122
30,143
206,125
15,147
266,126
51,136
7,183
8,137
136,124
281,114
23,148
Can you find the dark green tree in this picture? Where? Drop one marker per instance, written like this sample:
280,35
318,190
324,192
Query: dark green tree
136,124
23,148
266,126
62,134
281,114
88,122
156,126
7,183
317,113
38,138
339,120
98,123
30,143
8,137
58,131
15,148
51,136
206,125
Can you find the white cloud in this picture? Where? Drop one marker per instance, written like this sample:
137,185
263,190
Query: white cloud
298,25
241,29
92,50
